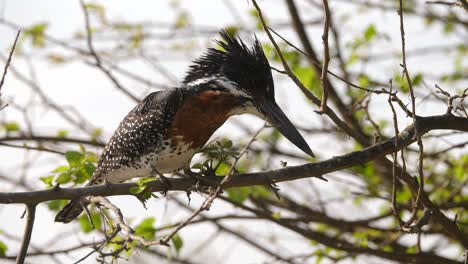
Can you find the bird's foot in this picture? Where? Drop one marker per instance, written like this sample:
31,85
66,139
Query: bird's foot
210,174
201,179
165,184
275,189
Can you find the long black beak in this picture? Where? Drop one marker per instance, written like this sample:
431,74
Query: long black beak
278,119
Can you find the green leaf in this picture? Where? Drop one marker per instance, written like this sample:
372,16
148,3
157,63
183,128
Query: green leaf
48,180
146,228
276,215
182,20
12,126
137,38
37,28
370,32
402,82
354,57
95,134
137,189
36,32
62,133
63,168
197,166
459,168
98,9
82,174
417,79
3,249
449,27
223,168
177,242
363,80
412,249
74,158
403,196
232,29
88,169
238,194
86,225
63,178
91,157
260,191
308,77
241,194
56,205
227,144
144,181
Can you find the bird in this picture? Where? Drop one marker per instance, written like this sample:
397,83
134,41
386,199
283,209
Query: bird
163,132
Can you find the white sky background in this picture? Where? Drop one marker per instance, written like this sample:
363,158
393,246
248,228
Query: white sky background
91,92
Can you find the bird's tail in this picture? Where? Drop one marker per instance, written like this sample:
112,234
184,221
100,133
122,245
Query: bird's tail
71,211
74,208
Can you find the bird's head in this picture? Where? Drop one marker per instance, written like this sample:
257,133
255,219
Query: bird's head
244,73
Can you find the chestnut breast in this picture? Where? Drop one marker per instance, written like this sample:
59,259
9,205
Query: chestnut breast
200,116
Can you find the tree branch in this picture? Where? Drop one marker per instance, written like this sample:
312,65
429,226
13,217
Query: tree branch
326,56
342,244
31,214
405,138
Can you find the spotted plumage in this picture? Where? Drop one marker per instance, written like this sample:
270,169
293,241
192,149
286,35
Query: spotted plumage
163,132
140,140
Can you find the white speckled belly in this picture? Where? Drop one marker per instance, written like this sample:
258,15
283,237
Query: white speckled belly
168,160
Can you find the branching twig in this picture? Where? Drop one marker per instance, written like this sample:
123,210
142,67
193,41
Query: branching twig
413,110
120,222
451,98
99,65
329,112
343,79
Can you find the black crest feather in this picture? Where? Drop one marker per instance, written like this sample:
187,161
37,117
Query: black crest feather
243,65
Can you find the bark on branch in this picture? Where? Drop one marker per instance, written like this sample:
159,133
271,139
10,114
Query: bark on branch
405,138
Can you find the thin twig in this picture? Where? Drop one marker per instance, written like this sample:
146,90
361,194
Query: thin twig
395,158
119,219
343,79
329,112
99,65
31,214
5,69
239,235
447,3
326,57
413,108
26,147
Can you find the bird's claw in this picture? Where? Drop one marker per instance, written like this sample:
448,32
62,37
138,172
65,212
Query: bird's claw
275,189
210,173
205,180
165,184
